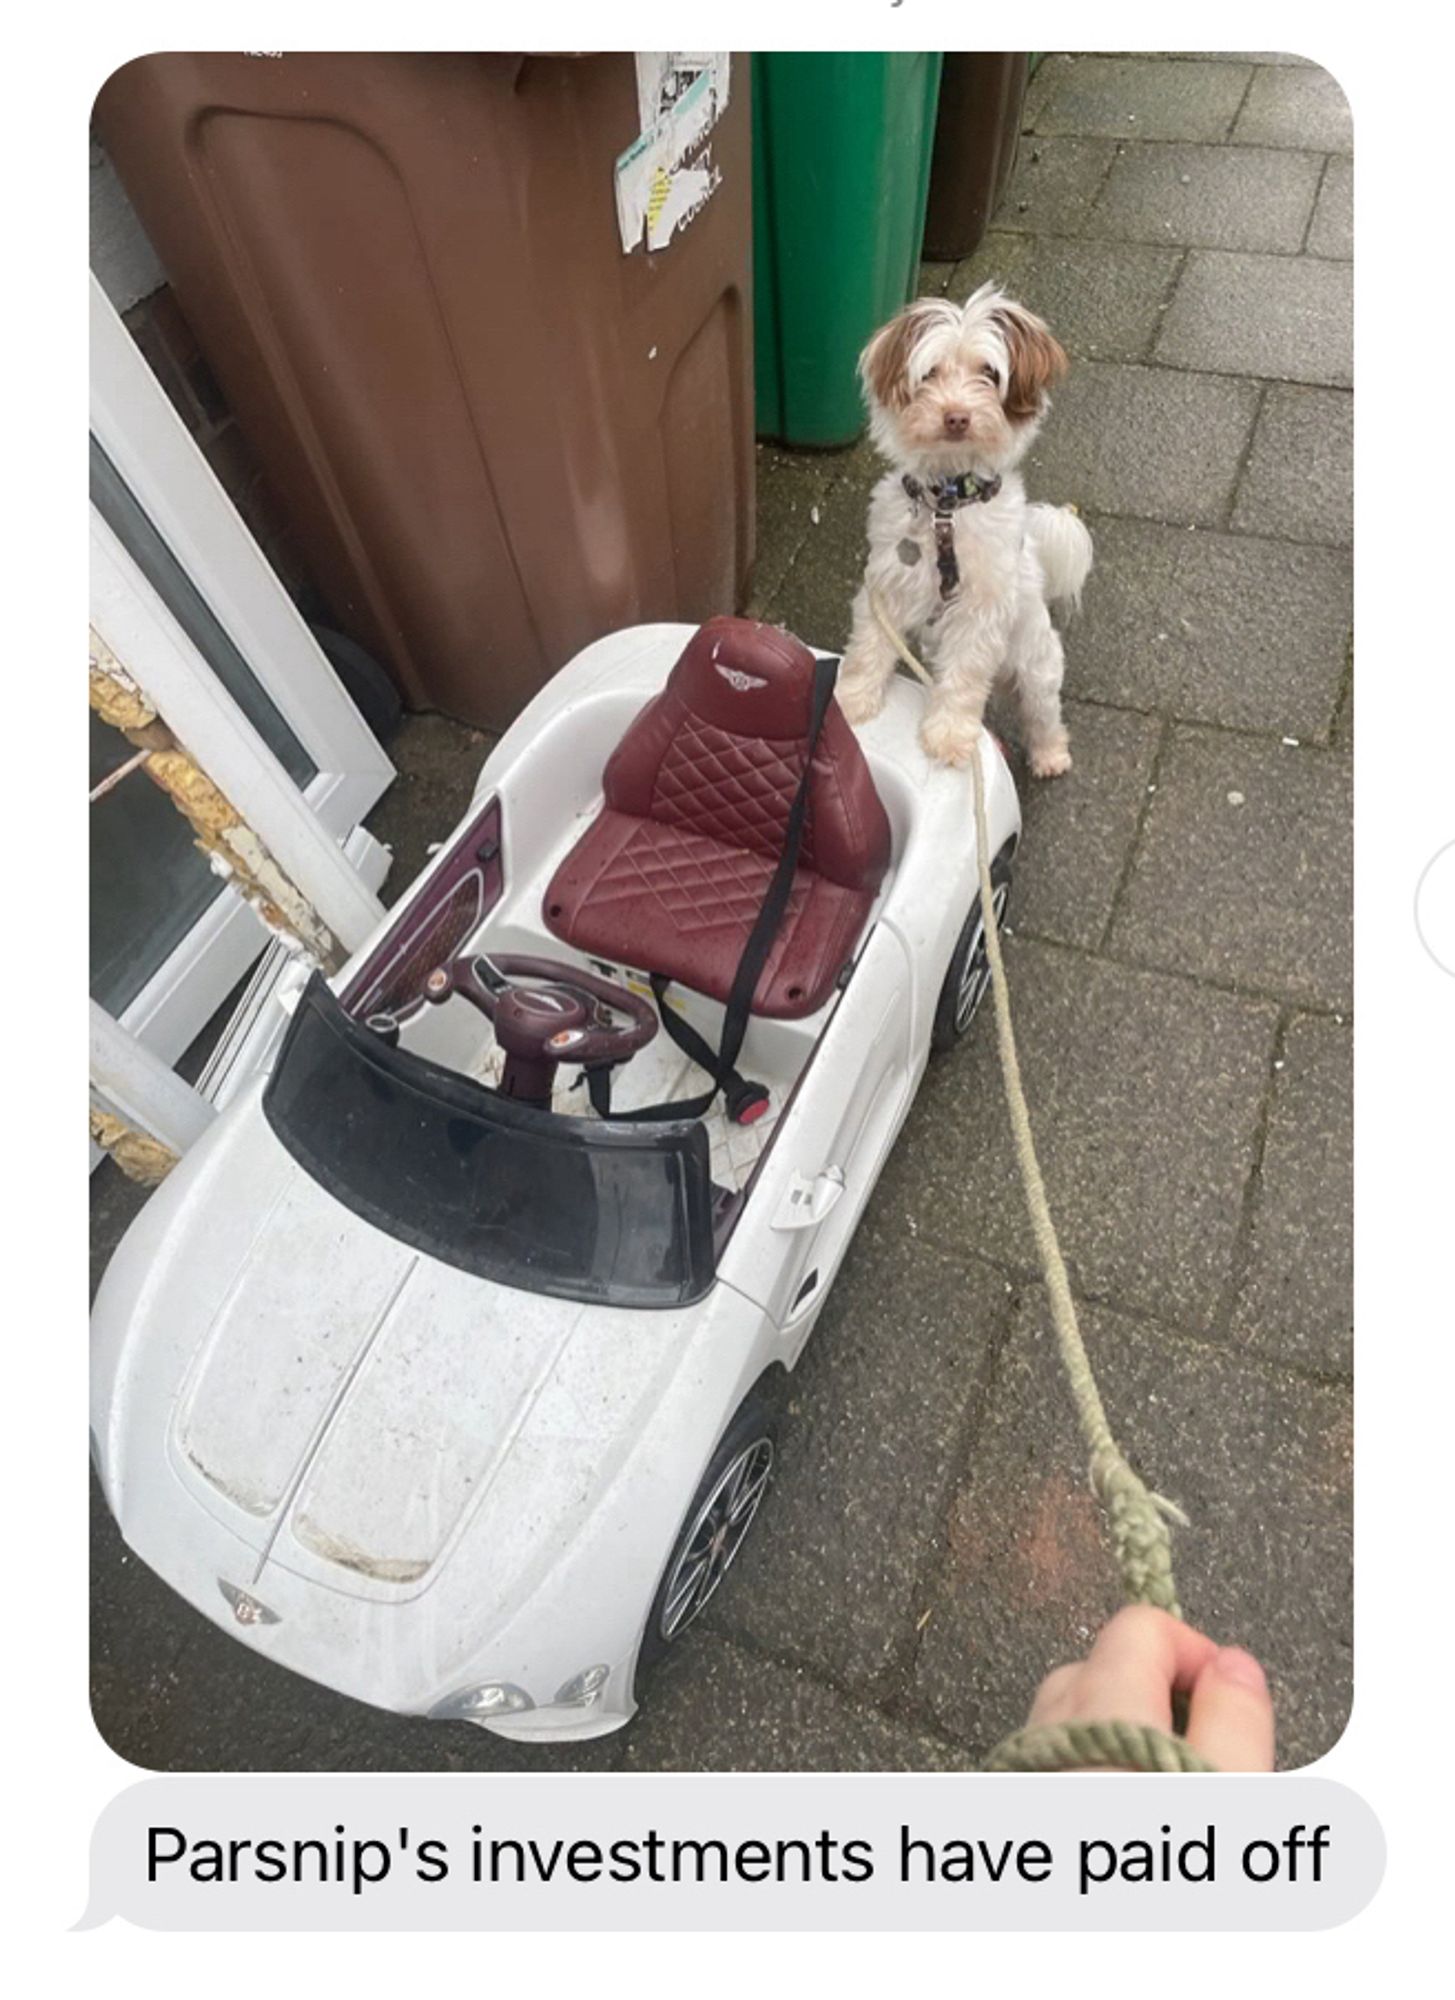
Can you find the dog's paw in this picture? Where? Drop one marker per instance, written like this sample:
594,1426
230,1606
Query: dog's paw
861,697
1052,759
949,737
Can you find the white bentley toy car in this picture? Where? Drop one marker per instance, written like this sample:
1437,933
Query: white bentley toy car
443,1369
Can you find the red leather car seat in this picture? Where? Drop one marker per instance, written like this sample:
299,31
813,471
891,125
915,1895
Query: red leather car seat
671,874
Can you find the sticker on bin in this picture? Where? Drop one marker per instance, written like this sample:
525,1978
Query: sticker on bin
680,98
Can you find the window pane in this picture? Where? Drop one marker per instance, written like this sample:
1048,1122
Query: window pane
149,883
120,510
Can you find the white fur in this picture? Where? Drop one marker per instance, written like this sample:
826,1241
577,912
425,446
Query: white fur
1063,544
946,365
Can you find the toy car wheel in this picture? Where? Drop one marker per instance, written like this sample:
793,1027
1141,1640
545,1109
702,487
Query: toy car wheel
968,980
716,1526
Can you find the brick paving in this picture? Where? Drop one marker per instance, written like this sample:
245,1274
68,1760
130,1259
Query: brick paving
1180,960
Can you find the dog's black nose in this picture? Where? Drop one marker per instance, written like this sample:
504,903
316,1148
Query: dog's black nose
957,423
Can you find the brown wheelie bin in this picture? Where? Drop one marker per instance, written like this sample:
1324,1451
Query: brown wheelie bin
497,434
975,144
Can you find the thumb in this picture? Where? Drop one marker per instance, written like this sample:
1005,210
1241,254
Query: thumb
1230,1713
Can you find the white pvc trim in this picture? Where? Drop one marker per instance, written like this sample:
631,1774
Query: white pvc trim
151,448
154,650
146,1094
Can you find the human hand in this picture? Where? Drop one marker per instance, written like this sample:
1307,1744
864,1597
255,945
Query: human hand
1139,1659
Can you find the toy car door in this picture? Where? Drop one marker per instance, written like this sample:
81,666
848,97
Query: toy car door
821,1169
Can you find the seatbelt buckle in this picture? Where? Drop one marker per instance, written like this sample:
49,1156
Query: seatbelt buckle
746,1102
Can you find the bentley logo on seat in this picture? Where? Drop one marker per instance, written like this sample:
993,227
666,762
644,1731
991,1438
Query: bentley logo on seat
736,678
246,1610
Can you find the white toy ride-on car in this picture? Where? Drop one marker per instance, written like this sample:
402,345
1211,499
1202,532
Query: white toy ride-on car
443,1369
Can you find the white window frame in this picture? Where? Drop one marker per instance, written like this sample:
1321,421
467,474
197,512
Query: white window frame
154,453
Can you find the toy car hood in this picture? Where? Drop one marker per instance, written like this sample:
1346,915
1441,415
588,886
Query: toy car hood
345,1404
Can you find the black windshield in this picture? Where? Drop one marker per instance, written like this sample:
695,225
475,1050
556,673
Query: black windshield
616,1214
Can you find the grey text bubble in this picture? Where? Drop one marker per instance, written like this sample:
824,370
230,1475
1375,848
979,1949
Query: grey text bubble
772,1852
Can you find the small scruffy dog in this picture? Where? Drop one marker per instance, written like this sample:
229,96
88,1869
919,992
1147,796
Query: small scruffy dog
959,559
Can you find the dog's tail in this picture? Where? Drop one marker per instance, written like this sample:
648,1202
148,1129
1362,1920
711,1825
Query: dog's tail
1063,544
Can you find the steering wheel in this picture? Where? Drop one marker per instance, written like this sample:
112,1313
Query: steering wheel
561,1015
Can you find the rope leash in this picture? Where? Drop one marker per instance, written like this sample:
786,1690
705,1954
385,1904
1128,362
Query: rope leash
1138,1519
1094,1746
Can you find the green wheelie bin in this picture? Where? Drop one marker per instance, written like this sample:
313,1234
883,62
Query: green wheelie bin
841,165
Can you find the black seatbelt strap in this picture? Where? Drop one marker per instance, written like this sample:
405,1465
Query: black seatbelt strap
719,1063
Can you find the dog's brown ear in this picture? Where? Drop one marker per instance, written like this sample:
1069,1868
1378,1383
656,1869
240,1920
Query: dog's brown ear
1037,360
884,364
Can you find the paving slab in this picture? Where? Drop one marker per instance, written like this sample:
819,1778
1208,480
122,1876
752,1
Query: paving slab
1042,86
1331,233
380,1742
1259,1460
1299,478
1132,97
1079,831
1301,106
1243,871
1145,1092
816,594
1286,318
1213,627
1099,299
1161,443
438,761
1054,183
868,1450
712,1706
138,1628
1295,1303
1219,197
790,486
115,1203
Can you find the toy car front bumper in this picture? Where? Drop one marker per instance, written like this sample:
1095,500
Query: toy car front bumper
558,1724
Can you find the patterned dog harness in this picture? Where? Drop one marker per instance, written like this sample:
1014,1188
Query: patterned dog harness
943,496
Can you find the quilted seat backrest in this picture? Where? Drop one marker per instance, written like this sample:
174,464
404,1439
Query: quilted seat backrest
720,752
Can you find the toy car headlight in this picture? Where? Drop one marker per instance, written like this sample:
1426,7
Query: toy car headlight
582,1689
482,1704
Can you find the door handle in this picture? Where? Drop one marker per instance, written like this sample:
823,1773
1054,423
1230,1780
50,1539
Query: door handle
807,1202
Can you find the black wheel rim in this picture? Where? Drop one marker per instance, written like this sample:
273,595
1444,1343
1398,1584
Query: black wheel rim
975,979
717,1533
